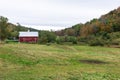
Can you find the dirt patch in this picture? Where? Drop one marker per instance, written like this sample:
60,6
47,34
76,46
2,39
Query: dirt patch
93,61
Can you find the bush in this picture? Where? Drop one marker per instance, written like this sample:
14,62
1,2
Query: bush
82,39
46,37
43,40
58,41
96,42
73,40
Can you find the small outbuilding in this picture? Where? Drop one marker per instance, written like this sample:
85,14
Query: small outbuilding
30,37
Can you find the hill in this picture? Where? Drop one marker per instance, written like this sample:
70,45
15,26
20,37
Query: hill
106,23
106,28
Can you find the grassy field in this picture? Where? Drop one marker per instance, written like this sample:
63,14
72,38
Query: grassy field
58,62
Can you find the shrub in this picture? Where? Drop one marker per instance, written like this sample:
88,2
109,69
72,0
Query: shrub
96,42
58,40
73,40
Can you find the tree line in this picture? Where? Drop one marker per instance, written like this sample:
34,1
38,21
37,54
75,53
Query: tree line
105,30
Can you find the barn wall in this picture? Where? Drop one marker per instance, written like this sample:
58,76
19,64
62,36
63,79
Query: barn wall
28,39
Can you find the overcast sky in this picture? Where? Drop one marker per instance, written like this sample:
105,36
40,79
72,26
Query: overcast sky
54,14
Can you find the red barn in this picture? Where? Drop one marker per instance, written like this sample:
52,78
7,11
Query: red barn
31,37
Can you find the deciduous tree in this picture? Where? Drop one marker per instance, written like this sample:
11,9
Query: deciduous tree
3,28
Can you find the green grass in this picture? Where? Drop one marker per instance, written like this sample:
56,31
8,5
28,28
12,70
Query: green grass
58,62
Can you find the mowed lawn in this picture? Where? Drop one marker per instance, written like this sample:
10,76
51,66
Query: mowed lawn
58,62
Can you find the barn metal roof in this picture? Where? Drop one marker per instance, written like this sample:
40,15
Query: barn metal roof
28,34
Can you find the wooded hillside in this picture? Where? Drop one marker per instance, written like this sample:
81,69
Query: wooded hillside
106,28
